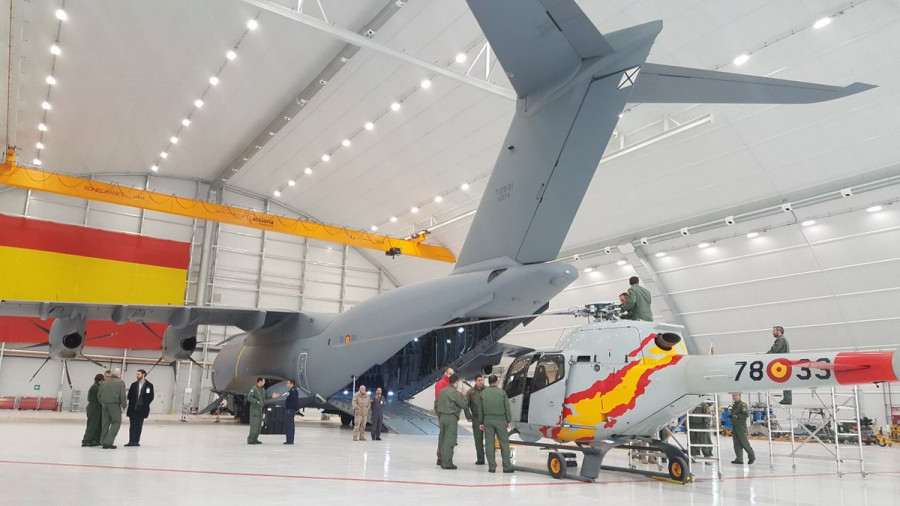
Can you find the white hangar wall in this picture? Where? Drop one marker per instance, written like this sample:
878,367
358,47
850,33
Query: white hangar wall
248,268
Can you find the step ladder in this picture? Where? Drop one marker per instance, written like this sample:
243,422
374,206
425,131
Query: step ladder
76,400
714,428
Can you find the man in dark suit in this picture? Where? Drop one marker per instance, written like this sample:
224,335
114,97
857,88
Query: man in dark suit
291,405
140,395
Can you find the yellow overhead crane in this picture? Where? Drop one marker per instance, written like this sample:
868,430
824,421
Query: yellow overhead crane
33,179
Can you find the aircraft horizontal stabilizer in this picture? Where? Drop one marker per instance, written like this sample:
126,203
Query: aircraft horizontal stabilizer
669,84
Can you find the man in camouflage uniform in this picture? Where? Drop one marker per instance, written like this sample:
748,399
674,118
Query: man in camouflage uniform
494,421
256,400
361,404
739,414
473,413
781,346
449,403
111,394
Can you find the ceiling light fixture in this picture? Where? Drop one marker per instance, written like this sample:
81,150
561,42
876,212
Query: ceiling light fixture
164,155
369,125
374,228
276,193
291,182
808,223
173,140
703,245
439,199
54,50
36,161
741,59
414,209
621,262
326,157
822,23
214,81
464,186
39,145
395,106
461,58
393,219
751,235
186,122
874,209
61,15
198,103
252,24
588,269
42,127
46,105
51,80
154,168
425,84
230,55
307,171
661,254
345,143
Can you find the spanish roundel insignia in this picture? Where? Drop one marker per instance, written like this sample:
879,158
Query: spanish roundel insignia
347,339
779,370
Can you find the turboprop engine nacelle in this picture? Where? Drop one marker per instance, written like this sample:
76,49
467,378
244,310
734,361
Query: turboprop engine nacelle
67,337
179,343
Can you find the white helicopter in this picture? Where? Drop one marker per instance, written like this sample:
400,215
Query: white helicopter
614,383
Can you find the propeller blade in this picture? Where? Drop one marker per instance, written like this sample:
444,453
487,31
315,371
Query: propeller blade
195,363
36,345
92,360
149,329
154,365
45,329
39,369
104,336
68,377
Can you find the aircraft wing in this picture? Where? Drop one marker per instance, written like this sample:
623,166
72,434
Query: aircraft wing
537,41
247,320
668,84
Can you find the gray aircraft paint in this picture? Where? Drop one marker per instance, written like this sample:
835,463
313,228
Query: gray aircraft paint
572,82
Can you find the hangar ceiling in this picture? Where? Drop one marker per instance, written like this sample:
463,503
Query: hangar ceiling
129,72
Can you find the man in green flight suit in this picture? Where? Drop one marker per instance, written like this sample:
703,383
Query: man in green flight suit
94,415
449,404
256,400
739,415
113,401
495,420
637,306
781,346
473,413
700,423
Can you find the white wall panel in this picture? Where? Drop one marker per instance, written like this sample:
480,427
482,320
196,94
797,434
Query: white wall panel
12,200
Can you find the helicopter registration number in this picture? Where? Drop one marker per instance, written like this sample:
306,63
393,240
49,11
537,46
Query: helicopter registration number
781,370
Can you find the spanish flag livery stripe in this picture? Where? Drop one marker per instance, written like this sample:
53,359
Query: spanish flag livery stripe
42,260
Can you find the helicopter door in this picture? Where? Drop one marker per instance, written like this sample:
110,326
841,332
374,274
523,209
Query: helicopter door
516,384
548,390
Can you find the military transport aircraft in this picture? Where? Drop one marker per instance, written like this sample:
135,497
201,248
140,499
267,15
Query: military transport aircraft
572,83
612,383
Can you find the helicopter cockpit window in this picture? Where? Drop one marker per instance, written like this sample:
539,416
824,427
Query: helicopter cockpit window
550,369
517,375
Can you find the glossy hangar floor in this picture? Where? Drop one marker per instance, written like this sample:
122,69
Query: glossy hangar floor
200,462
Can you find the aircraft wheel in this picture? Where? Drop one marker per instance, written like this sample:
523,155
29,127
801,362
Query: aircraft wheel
678,469
346,419
881,443
556,465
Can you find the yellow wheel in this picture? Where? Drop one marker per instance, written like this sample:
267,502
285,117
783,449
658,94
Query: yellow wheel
678,469
556,465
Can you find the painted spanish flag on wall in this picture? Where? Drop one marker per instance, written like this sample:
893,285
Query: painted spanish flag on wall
41,260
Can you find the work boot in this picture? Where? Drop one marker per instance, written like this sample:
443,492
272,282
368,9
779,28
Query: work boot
492,470
451,467
751,461
438,461
737,461
479,462
509,471
356,438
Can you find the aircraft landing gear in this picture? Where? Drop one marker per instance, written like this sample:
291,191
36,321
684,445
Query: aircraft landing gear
346,419
562,457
